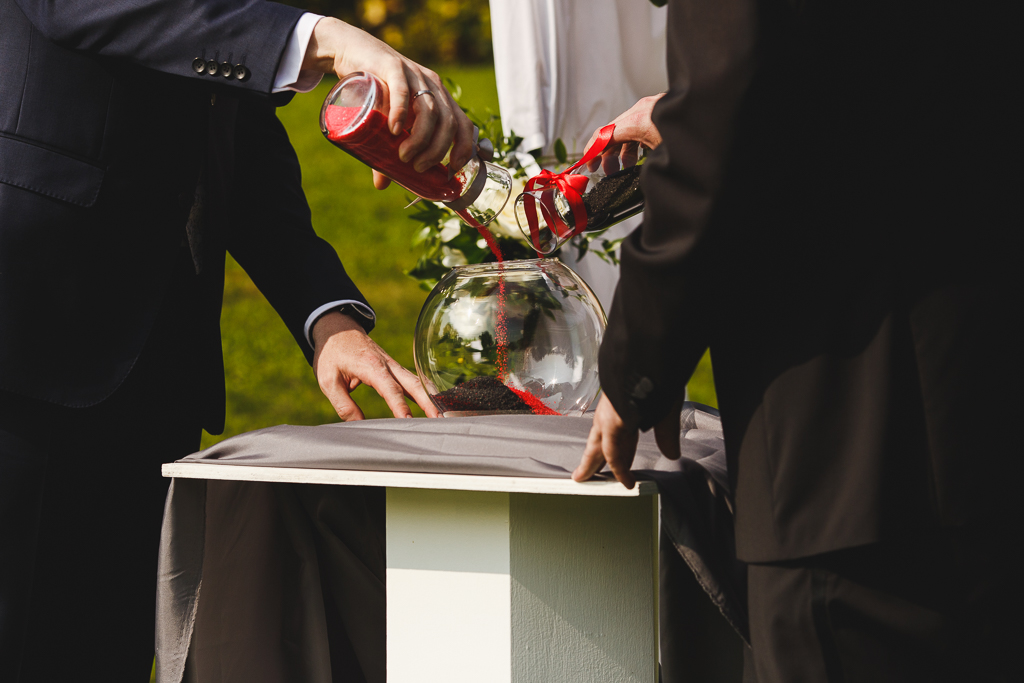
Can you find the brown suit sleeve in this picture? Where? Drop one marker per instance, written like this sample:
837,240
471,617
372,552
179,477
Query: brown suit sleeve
661,318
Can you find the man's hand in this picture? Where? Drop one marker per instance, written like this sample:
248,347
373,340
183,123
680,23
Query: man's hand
339,48
344,357
612,441
633,128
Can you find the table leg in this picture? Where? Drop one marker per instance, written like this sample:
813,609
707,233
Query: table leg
521,588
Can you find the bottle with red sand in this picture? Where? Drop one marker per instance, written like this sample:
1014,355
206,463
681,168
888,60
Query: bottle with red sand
354,117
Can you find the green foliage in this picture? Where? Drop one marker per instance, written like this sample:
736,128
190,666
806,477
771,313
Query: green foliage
445,241
609,251
459,358
428,31
560,152
442,238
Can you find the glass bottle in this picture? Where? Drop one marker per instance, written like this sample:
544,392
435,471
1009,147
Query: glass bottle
604,200
354,117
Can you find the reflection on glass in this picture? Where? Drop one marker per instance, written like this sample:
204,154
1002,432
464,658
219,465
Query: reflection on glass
513,337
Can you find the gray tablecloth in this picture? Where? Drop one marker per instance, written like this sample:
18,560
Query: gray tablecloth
292,576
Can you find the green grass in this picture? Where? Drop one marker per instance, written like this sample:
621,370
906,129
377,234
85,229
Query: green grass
268,379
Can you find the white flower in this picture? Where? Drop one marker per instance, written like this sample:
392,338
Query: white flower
470,316
452,257
450,229
554,369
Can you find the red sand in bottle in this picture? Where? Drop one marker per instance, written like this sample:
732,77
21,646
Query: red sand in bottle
373,144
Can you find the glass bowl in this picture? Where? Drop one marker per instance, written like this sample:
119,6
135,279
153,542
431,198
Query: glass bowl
519,337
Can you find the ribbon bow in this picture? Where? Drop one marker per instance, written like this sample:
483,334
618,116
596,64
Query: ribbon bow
571,185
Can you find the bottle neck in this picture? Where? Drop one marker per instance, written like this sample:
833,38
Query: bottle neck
473,188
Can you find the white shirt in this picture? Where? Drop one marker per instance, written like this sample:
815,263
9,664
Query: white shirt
567,67
289,74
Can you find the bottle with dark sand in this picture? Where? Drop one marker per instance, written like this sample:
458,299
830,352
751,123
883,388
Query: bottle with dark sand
578,200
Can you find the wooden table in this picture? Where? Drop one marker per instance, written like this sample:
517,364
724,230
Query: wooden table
505,579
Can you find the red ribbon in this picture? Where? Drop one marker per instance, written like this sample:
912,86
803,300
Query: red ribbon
572,186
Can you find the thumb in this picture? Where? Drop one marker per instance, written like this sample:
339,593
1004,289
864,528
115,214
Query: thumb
380,181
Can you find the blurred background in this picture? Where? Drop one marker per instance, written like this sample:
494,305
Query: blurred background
431,32
268,379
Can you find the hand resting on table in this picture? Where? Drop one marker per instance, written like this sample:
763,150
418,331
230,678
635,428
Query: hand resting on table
612,441
344,357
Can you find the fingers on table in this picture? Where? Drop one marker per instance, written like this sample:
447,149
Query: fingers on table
414,389
379,376
337,392
613,447
593,456
619,450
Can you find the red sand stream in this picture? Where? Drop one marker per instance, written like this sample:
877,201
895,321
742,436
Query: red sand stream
373,143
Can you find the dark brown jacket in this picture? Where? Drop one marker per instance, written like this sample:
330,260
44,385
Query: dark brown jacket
832,214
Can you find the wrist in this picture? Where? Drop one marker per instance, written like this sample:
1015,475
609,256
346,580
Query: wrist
322,49
329,324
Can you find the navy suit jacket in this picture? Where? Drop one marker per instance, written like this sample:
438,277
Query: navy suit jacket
105,130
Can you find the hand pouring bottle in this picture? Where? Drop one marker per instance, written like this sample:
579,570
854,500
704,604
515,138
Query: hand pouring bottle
590,196
355,118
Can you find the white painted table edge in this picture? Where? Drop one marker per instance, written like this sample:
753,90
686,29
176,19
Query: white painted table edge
406,480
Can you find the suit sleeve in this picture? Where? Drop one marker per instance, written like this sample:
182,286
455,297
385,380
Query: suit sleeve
270,228
169,36
663,312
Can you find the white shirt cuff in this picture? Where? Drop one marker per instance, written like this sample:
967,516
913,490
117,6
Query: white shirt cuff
307,330
289,74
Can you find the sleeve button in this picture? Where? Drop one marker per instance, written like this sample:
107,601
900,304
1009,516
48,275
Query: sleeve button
242,73
226,70
211,67
198,65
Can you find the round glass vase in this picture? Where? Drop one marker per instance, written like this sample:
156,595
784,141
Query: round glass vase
519,337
